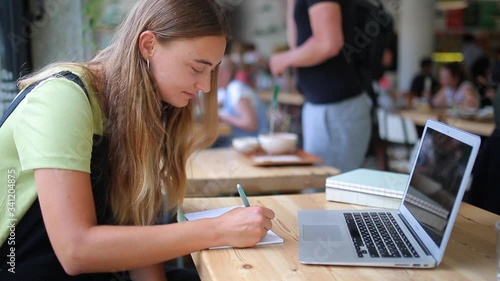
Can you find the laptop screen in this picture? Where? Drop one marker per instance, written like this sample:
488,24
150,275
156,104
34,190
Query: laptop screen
435,182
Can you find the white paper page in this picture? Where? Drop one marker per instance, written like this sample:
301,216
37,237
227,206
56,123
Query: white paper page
276,158
270,238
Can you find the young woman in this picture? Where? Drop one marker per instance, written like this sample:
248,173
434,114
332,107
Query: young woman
93,167
241,107
455,90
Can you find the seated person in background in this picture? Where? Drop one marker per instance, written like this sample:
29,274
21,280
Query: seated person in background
424,85
240,106
455,91
481,76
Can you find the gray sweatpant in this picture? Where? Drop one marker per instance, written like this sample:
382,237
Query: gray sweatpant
338,132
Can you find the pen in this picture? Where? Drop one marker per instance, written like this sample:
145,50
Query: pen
180,215
243,195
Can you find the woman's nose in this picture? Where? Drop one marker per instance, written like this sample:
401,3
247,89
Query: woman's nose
203,84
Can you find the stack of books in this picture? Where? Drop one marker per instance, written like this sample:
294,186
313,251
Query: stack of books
367,187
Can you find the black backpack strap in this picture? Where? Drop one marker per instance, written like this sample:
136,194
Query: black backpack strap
66,74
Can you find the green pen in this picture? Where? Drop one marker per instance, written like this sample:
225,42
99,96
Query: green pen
180,215
274,103
243,195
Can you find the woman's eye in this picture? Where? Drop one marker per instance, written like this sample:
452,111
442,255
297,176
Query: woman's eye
197,70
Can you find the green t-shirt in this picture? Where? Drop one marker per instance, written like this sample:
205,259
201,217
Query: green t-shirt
51,128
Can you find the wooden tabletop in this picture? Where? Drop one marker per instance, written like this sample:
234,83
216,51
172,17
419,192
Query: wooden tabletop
476,127
470,254
288,98
216,171
223,129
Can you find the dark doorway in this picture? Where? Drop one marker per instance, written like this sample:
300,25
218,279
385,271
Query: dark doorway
14,47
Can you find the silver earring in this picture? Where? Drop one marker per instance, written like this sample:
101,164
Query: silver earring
147,63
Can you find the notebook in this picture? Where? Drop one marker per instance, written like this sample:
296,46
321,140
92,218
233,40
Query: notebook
367,187
415,234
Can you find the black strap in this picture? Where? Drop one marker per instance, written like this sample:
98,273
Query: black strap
66,74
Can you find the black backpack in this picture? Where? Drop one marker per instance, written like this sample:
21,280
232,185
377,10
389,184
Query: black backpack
373,32
66,74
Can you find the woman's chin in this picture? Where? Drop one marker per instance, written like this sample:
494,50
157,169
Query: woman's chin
178,103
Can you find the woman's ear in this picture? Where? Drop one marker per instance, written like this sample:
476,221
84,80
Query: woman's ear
147,41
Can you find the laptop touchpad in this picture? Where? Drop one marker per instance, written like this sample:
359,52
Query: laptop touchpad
322,232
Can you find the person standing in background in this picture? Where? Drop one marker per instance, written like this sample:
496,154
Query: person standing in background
496,107
484,190
336,121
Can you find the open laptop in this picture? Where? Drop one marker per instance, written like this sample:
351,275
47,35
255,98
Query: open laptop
416,234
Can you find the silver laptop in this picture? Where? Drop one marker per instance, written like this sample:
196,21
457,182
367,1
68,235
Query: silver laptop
416,234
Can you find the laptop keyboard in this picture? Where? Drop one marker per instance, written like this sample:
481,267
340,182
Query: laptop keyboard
377,234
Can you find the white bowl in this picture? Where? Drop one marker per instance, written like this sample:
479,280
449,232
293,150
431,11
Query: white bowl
278,143
245,144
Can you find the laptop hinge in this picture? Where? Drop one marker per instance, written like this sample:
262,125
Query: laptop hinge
427,252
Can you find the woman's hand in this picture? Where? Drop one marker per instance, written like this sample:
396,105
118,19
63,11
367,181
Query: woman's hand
244,227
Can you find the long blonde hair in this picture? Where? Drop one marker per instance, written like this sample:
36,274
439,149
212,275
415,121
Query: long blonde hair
149,140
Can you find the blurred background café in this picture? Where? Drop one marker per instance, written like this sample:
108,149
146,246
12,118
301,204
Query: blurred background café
419,51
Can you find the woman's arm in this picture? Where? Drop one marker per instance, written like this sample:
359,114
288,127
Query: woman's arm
246,119
439,99
82,246
326,41
471,100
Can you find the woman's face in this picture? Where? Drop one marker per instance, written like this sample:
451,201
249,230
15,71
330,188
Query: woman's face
446,79
181,68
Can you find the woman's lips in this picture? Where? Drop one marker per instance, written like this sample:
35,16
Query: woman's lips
189,95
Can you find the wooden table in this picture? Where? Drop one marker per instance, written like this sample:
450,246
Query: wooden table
216,171
223,129
479,128
470,253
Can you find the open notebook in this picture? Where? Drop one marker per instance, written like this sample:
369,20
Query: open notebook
270,238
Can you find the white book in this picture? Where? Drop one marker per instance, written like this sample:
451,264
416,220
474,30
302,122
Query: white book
360,198
367,187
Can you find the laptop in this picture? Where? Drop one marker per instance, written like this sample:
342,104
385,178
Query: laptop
416,234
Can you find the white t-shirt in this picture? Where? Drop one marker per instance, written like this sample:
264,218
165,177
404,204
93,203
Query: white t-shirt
237,90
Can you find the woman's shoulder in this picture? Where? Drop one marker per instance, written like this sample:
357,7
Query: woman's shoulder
241,88
236,84
68,92
56,91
